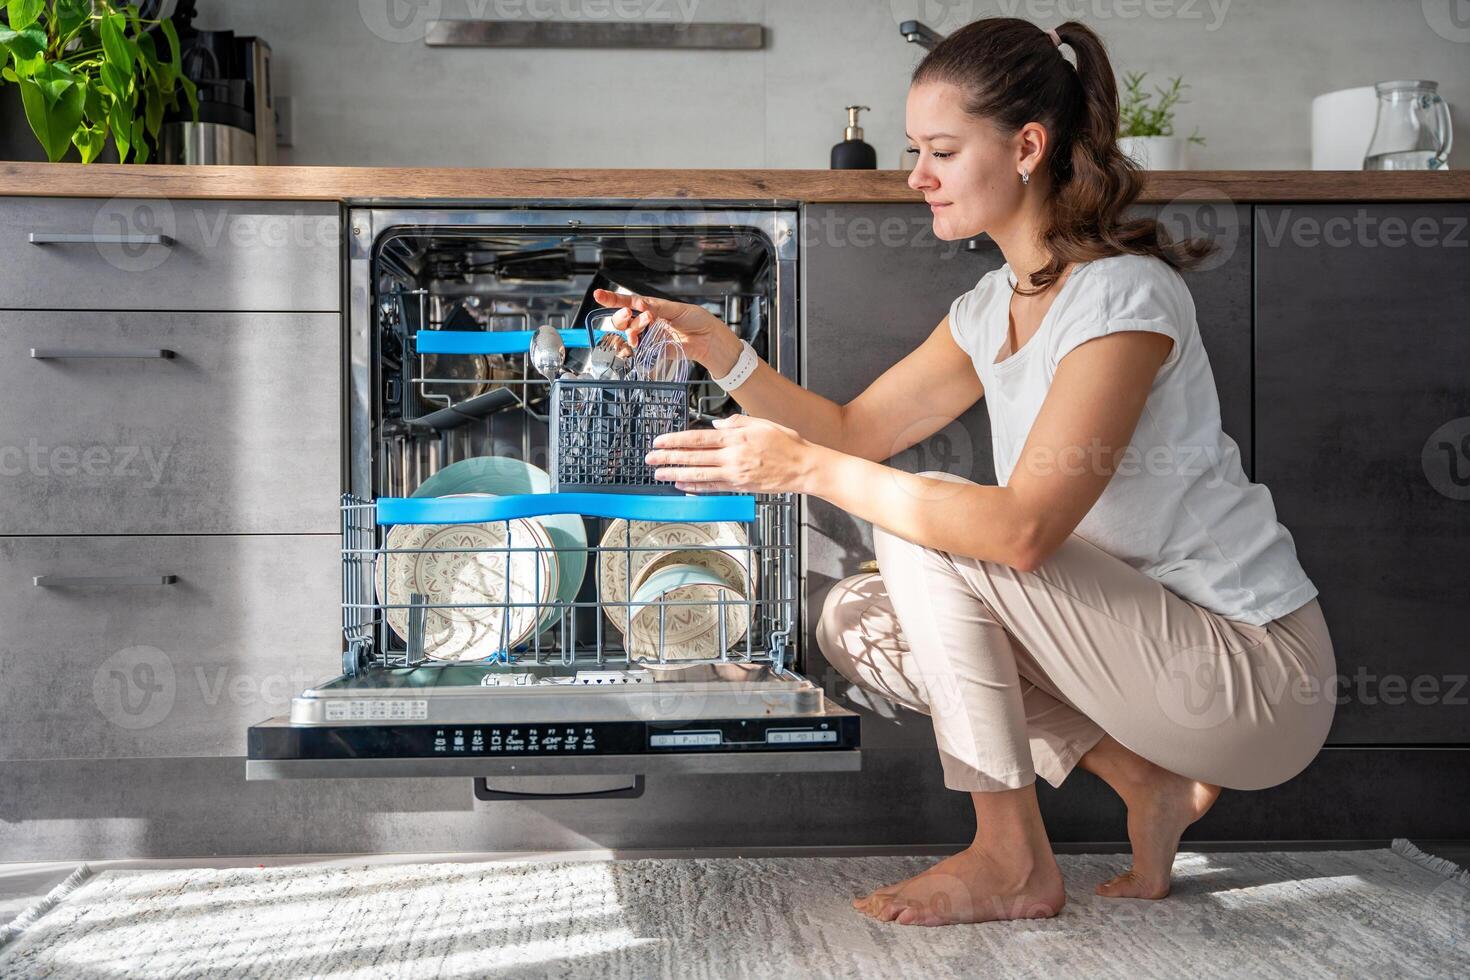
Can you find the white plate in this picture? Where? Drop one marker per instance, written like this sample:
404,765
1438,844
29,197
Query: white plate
618,569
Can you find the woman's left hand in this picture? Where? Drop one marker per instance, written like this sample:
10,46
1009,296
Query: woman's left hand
740,454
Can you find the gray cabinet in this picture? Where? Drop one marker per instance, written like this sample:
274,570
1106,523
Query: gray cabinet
160,254
1221,288
1363,436
169,423
875,284
142,646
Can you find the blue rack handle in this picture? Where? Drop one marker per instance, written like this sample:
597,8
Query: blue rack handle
630,507
493,341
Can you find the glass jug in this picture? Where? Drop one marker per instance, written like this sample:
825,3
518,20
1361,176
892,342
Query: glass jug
1413,130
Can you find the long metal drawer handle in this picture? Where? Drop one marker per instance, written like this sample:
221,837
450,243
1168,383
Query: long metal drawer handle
81,581
55,353
92,238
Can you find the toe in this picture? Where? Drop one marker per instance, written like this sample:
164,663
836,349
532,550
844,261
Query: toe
1130,884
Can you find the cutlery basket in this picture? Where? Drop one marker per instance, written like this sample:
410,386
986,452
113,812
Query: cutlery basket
601,431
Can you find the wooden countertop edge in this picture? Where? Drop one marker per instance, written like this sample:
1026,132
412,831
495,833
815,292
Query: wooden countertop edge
815,186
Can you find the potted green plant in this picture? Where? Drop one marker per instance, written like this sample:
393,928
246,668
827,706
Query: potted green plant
1146,131
87,71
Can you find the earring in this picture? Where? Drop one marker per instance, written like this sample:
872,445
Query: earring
1025,176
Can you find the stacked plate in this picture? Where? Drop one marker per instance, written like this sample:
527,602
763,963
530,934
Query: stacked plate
485,593
670,596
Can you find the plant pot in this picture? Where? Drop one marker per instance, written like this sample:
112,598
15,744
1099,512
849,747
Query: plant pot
1156,152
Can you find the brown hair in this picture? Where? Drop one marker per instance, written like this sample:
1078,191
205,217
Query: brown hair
1013,73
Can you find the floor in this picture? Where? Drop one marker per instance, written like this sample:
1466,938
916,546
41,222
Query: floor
23,884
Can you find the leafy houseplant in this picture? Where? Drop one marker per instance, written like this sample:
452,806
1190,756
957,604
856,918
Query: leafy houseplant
90,69
1145,130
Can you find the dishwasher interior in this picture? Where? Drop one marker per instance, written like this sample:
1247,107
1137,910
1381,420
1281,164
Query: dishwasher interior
579,633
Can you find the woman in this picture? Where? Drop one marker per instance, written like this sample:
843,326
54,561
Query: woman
1125,600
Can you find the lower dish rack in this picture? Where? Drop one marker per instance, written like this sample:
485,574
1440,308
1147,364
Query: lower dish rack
517,632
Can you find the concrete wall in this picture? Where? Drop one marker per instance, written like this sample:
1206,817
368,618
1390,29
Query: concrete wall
368,91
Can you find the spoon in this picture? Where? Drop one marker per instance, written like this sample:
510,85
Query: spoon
548,352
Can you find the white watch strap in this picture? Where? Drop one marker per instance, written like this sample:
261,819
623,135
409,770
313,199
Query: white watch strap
745,366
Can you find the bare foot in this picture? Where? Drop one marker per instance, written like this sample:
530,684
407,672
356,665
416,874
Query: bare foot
972,886
1161,804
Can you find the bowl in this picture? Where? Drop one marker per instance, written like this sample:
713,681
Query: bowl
690,632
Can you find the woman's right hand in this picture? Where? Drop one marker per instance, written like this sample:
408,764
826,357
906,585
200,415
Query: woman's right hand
705,338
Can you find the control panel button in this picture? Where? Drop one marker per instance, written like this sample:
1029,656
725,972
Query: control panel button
670,740
799,737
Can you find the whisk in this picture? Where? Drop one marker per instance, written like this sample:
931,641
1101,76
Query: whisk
659,356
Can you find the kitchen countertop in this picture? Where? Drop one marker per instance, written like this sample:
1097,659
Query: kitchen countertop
817,186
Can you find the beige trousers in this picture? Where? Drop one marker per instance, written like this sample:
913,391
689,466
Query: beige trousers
1023,672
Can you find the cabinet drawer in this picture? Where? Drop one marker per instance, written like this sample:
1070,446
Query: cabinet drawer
157,254
103,661
207,423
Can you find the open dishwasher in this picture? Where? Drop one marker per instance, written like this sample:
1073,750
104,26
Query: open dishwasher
506,612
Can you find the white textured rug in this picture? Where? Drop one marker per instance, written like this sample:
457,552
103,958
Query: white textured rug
1376,913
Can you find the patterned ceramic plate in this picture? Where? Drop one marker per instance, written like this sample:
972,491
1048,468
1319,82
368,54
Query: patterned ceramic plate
472,577
502,475
468,576
618,569
687,631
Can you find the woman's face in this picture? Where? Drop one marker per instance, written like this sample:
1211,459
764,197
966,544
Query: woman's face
965,169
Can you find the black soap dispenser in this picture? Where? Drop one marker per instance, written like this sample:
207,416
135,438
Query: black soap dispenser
852,153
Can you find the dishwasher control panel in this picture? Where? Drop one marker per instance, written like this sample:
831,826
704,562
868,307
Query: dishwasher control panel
391,740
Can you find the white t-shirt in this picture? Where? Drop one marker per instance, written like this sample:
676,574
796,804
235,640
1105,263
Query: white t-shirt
1179,507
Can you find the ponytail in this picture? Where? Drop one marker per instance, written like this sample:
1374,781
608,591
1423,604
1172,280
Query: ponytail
1013,73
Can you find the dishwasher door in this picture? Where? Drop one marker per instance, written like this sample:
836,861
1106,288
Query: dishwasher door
442,304
477,721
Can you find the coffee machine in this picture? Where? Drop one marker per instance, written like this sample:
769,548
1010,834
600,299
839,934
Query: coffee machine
237,114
